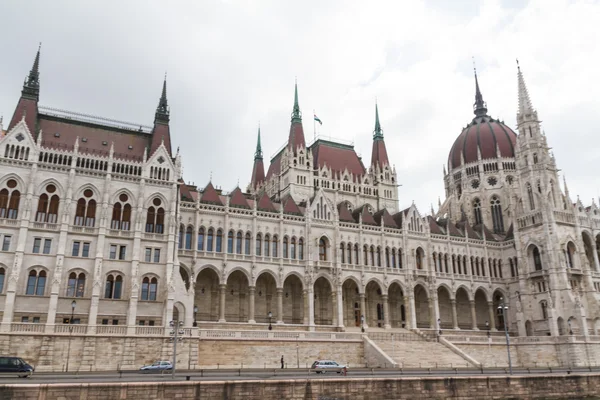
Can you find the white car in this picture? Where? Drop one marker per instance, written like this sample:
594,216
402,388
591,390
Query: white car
158,366
323,366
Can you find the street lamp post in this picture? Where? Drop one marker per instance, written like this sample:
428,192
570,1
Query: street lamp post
489,335
362,323
297,351
439,323
175,332
393,347
504,307
73,305
195,324
270,315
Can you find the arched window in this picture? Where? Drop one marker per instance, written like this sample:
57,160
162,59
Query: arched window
366,254
285,247
530,195
181,229
85,213
497,219
300,249
258,244
349,253
544,306
535,158
247,241
36,283
48,206
230,242
201,239
293,248
342,253
537,259
372,256
378,256
219,244
121,218
113,287
76,285
394,265
150,219
267,245
322,250
155,217
209,239
188,237
149,288
570,252
275,249
9,200
238,243
477,211
387,257
419,258
356,255
2,275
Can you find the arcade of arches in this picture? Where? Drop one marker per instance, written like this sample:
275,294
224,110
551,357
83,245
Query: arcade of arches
322,304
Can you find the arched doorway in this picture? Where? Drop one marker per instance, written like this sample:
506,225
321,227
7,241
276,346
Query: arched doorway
445,308
207,295
422,307
463,309
236,295
482,311
265,298
397,308
323,302
528,328
293,300
178,313
562,329
374,305
573,326
351,298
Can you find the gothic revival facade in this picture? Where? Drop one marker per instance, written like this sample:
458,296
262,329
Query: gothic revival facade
97,211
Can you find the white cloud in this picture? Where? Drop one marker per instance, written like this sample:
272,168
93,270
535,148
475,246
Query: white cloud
232,64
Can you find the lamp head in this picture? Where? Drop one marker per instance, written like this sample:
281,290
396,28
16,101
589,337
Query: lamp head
195,309
270,314
73,304
487,324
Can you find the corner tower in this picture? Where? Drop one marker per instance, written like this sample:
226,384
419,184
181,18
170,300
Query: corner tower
27,107
161,132
382,174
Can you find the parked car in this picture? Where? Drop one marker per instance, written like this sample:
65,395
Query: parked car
158,366
323,366
15,365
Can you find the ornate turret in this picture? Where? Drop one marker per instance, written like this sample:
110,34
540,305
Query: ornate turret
27,108
296,138
526,112
479,107
161,132
258,171
379,155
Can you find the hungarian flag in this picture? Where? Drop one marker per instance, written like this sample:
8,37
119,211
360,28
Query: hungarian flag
318,120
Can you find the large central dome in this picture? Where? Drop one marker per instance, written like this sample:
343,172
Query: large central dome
484,135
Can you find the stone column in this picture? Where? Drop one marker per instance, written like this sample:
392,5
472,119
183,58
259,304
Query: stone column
473,315
454,314
311,308
363,310
279,316
412,311
222,302
492,316
595,254
386,310
435,307
334,314
251,293
305,306
340,307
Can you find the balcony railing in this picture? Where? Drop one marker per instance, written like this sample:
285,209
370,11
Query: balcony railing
27,327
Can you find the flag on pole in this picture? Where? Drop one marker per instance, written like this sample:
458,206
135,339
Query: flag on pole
318,120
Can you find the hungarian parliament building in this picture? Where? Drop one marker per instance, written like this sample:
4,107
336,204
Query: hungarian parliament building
98,227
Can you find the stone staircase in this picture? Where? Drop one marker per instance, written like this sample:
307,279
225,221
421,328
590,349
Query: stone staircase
410,350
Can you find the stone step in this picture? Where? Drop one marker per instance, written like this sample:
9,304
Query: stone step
421,354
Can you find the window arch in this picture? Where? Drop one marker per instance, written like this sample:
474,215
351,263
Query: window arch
569,253
322,249
238,243
76,284
36,283
267,245
300,249
537,259
181,237
293,248
188,237
230,242
366,254
497,219
200,245
155,217
113,287
275,249
258,244
419,258
149,288
530,196
48,205
372,255
477,212
85,213
121,217
343,253
356,254
378,251
2,275
247,242
10,199
219,244
349,253
285,247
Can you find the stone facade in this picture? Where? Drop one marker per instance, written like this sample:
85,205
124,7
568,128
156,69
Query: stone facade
98,229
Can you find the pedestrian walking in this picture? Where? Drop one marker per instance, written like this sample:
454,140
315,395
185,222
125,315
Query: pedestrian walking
281,362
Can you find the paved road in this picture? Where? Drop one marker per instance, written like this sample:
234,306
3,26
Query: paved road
271,374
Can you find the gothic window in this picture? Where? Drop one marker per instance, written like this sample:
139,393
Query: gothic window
121,217
570,252
378,256
201,239
181,229
149,288
356,255
477,211
500,269
535,158
512,268
9,200
454,264
2,274
394,265
552,198
247,241
259,244
267,243
85,213
544,307
155,217
530,195
372,255
285,247
342,253
209,239
274,246
419,258
399,258
188,237
537,259
36,283
349,253
76,285
219,244
230,242
238,243
300,249
113,287
322,250
48,206
366,254
387,257
497,219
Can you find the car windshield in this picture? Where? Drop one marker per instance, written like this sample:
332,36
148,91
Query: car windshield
156,363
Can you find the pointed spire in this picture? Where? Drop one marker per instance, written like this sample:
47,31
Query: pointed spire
525,106
162,111
258,155
480,108
296,114
377,133
31,86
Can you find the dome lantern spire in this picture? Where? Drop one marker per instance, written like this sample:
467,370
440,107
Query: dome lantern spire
479,107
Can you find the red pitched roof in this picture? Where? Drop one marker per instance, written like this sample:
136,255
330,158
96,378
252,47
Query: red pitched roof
290,206
453,230
367,218
387,219
510,233
379,154
28,108
344,214
296,138
188,192
258,173
398,218
161,133
237,199
95,135
275,166
337,156
210,195
434,227
265,203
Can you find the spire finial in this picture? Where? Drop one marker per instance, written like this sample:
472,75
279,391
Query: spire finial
258,155
525,106
480,108
296,114
162,111
31,87
377,133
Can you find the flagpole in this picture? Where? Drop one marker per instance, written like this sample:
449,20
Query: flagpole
314,126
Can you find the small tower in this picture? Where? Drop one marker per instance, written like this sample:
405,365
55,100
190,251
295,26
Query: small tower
161,132
30,95
258,171
382,175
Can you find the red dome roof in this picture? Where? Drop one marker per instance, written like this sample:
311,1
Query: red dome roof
485,134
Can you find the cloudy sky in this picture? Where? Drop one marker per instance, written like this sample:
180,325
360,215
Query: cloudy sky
232,64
